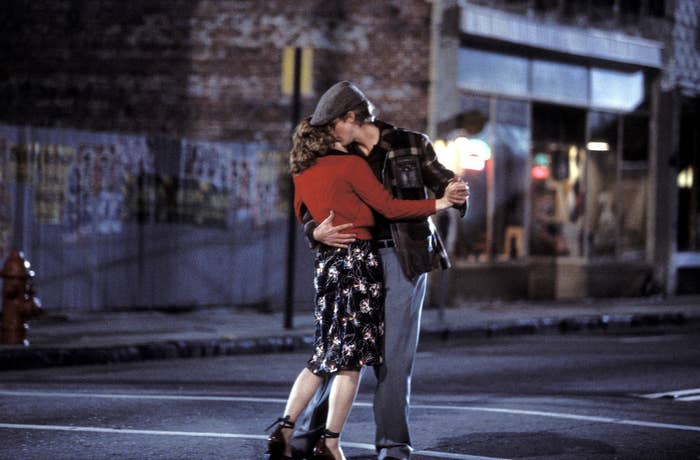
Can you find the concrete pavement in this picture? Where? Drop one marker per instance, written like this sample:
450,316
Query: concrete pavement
80,338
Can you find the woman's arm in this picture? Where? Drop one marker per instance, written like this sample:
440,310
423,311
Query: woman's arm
372,192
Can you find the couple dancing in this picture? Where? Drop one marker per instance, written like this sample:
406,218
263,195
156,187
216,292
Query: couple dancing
370,270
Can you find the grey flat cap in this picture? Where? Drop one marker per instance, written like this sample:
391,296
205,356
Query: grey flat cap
336,102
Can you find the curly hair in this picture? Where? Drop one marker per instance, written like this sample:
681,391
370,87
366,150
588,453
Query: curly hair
308,143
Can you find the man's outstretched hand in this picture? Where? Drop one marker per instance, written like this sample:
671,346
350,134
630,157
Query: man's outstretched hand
329,235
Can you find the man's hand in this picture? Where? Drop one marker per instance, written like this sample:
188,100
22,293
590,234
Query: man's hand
457,191
329,235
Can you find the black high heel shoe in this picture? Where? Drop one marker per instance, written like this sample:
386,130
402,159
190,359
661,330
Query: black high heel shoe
321,451
276,445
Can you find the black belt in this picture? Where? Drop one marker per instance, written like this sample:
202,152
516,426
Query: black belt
381,244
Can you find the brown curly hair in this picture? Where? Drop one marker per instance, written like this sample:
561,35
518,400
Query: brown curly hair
308,143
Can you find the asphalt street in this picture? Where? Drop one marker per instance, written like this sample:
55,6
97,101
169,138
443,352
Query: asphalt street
559,396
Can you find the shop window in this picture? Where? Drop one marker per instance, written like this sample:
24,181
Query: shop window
636,138
556,174
633,216
633,185
688,236
464,146
601,207
601,184
511,149
617,185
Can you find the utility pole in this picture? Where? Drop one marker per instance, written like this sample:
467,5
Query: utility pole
296,64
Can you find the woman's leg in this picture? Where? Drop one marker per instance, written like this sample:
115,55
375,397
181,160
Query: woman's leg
342,396
301,393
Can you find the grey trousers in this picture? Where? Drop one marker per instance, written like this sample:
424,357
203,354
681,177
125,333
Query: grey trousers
402,314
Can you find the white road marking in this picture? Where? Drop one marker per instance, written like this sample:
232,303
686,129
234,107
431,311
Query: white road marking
587,418
205,434
689,398
672,394
94,429
142,396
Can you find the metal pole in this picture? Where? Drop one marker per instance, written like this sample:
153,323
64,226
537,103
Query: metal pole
291,220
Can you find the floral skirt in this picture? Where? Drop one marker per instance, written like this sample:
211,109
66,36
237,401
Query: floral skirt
349,308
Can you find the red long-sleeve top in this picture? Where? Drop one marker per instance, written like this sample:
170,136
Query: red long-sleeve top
344,183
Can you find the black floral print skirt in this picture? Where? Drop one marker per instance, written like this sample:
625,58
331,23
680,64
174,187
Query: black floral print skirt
349,308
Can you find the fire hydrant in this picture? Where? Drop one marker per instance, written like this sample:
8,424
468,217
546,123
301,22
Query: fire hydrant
18,300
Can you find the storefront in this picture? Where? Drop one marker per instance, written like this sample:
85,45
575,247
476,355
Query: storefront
553,128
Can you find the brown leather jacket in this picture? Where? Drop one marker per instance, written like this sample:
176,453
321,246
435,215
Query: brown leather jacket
411,171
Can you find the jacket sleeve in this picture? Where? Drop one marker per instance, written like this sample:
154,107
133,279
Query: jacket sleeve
435,175
365,184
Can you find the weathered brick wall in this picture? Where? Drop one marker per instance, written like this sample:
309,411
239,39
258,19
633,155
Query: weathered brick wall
203,69
683,69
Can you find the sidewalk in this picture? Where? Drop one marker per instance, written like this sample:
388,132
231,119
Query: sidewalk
81,338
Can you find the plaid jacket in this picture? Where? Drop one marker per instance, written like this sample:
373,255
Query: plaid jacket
411,171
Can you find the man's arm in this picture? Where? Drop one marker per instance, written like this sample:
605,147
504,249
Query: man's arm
436,176
325,232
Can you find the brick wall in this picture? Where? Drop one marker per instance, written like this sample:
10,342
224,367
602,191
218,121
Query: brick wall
683,69
204,69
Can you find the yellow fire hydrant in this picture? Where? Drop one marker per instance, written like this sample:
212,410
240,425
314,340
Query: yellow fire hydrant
18,300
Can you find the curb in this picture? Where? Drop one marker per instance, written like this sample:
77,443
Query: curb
19,358
575,324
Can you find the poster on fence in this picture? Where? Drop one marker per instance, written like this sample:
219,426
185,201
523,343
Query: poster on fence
97,184
50,164
92,183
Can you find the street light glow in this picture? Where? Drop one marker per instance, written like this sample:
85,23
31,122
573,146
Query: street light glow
463,153
685,178
598,146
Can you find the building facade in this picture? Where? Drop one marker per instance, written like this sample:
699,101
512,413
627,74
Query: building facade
143,144
576,125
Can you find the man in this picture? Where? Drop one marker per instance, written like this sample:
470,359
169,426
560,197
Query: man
406,164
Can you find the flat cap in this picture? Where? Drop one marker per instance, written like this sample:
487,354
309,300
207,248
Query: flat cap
336,102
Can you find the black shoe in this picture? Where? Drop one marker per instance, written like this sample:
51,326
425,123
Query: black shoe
276,444
321,451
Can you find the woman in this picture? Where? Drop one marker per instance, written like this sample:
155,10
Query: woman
349,303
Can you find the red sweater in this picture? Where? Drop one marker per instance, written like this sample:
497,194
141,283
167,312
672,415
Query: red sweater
345,184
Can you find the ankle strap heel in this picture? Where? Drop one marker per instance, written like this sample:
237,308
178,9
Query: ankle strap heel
276,444
282,422
321,451
328,434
